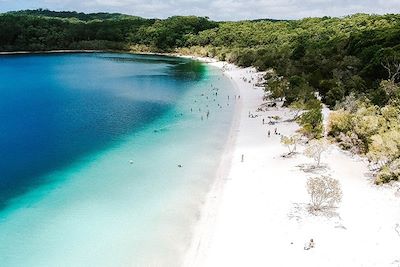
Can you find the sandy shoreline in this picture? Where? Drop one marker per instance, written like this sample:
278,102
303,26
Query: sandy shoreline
208,210
256,215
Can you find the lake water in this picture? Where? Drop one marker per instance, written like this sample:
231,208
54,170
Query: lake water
90,149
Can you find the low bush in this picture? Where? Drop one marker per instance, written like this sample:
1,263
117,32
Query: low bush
325,193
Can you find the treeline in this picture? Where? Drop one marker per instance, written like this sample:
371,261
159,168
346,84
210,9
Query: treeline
330,55
47,30
70,14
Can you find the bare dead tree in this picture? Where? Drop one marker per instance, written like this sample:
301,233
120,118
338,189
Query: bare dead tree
392,65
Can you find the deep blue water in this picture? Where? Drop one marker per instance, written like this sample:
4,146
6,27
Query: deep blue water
90,149
55,109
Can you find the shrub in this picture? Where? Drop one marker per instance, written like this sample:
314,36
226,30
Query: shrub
367,122
390,172
325,193
339,122
290,142
385,146
315,148
350,142
311,123
391,88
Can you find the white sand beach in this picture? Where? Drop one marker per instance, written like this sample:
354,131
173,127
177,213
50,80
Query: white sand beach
256,213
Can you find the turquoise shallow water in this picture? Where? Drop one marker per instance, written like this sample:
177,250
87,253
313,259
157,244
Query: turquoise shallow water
102,210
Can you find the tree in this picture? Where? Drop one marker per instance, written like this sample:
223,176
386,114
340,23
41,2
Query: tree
391,63
315,148
325,193
297,107
277,86
311,122
290,142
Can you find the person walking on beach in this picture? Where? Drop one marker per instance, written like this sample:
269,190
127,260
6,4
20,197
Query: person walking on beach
263,121
242,157
276,130
269,133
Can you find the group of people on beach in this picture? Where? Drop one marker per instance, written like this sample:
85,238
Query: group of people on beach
213,97
251,115
263,122
275,132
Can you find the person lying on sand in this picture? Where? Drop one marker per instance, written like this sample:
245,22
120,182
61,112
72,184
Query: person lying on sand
310,245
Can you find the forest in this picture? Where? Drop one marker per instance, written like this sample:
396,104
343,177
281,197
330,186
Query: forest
351,64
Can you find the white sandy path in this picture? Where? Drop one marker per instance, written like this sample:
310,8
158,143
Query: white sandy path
255,214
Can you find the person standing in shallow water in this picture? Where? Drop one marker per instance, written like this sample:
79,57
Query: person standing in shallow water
269,133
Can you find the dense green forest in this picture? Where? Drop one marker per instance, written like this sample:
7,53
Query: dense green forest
45,30
353,60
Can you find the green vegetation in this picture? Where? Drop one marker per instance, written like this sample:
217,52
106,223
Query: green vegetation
370,130
46,30
291,142
351,63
